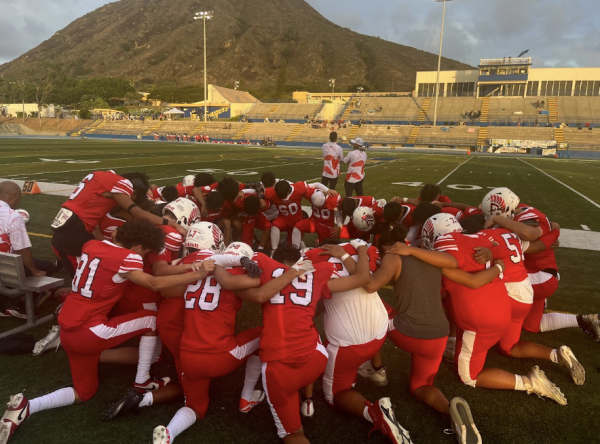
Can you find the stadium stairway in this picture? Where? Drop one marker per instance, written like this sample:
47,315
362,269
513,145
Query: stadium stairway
553,109
423,112
559,135
353,132
273,109
294,133
96,126
154,128
244,130
414,133
199,127
485,110
348,110
482,135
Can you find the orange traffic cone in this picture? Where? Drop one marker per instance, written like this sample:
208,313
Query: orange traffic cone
31,187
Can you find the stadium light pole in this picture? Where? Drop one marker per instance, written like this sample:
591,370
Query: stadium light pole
332,84
437,81
204,16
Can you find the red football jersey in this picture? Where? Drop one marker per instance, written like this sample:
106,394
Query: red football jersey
546,259
87,201
213,216
324,215
511,252
314,256
453,211
156,193
407,220
210,314
483,309
238,204
288,328
97,285
291,207
109,224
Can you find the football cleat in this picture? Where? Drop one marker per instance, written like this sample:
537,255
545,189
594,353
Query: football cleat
128,403
543,387
384,419
378,377
152,384
258,396
51,341
567,359
161,435
591,325
307,408
462,422
15,414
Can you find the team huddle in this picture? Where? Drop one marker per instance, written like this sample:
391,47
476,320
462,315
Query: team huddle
173,265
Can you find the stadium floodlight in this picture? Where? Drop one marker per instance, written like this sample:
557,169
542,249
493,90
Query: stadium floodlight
204,16
360,89
332,84
437,81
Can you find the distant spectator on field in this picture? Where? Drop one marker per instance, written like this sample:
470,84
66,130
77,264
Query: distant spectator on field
332,156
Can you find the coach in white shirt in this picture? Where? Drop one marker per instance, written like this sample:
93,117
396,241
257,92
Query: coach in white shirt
332,156
13,234
355,175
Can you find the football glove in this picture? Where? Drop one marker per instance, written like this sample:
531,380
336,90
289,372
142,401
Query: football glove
304,265
358,243
251,267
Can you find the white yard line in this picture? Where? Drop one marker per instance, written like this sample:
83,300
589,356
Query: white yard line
586,228
452,172
562,183
580,240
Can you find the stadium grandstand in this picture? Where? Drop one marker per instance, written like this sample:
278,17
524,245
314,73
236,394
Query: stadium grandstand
505,102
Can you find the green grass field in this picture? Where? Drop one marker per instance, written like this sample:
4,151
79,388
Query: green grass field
501,416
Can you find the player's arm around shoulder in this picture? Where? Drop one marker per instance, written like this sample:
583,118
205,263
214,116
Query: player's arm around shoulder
475,280
360,278
390,269
160,283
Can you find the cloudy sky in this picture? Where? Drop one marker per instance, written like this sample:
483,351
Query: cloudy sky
557,35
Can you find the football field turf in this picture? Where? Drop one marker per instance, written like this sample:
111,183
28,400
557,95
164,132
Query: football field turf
565,190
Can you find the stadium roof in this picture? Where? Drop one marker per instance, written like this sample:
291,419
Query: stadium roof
235,96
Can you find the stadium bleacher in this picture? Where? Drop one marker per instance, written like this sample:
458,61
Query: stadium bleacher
504,109
385,108
284,111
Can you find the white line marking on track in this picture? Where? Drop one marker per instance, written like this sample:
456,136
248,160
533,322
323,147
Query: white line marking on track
451,172
586,228
563,184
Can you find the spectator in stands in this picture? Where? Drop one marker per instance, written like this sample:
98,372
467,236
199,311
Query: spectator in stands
332,156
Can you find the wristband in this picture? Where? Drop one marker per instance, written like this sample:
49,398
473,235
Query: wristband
404,199
165,221
131,207
344,257
499,268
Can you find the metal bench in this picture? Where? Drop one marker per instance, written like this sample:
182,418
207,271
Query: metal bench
14,283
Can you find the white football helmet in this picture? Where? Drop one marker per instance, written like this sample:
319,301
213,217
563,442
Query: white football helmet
188,181
318,199
437,226
204,236
186,211
24,214
239,249
363,218
500,202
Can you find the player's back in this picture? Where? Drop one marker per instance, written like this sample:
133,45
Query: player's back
485,308
109,224
97,285
88,202
352,317
288,328
546,259
210,313
512,248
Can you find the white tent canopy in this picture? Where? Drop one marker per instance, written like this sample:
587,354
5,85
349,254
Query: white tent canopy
174,111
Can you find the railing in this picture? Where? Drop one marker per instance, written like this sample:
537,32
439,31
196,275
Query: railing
506,61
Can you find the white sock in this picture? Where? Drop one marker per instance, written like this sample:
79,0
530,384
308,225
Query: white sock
554,356
147,347
451,344
275,237
253,372
58,398
366,414
556,321
157,351
183,419
519,385
147,400
296,237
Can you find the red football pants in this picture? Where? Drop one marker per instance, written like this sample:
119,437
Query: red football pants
199,368
311,225
512,335
471,351
544,285
260,221
84,347
283,379
169,322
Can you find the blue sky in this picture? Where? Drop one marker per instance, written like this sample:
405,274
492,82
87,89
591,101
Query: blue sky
557,35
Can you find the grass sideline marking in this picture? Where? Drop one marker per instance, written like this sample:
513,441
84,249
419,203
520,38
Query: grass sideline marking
40,235
563,184
452,172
